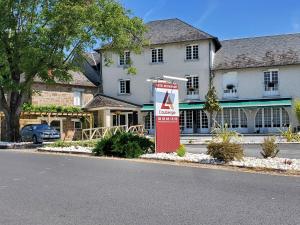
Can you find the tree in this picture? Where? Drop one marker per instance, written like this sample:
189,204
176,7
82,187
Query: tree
39,39
211,104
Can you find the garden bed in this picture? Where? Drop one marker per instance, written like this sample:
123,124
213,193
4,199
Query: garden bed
70,149
247,162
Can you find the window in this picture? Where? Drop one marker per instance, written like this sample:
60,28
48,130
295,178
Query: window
124,87
186,119
272,117
192,52
271,81
149,121
157,55
201,119
192,85
77,98
77,125
125,58
234,118
189,119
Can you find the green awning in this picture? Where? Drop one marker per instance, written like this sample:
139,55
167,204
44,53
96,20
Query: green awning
232,104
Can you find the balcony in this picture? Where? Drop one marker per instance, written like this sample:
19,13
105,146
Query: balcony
230,93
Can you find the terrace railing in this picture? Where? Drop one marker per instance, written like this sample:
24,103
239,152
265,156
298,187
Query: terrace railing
102,132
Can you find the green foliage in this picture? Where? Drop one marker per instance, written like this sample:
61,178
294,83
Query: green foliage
181,151
50,108
297,109
225,151
40,40
289,135
269,148
211,101
223,134
62,144
124,145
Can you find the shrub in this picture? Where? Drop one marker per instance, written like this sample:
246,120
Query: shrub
269,148
288,134
225,151
223,134
125,145
181,151
297,109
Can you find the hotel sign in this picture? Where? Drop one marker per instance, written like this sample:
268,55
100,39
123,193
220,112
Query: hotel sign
167,133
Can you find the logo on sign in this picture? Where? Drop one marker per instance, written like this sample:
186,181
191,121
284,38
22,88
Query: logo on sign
167,102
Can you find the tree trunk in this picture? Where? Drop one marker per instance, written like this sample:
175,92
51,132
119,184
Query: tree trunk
12,126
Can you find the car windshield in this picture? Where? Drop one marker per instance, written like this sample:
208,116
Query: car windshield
41,127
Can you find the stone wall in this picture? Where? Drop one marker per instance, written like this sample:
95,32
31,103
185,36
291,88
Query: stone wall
59,94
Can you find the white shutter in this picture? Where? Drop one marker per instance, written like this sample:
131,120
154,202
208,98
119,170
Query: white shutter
230,79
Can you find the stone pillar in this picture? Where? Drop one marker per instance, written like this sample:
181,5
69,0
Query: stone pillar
107,118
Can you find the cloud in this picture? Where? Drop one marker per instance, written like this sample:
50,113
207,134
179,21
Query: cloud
159,5
208,11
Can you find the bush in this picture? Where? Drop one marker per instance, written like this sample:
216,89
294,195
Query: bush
181,151
225,151
297,109
124,145
288,134
269,148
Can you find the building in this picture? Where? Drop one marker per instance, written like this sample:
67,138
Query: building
256,80
76,93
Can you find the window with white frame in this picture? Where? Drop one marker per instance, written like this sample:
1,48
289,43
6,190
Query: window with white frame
192,52
272,117
233,118
192,85
77,125
157,55
124,58
77,98
201,119
271,81
124,86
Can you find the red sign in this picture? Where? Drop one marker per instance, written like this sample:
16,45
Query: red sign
167,133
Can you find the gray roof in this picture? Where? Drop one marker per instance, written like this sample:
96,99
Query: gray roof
265,51
173,30
78,79
93,58
101,100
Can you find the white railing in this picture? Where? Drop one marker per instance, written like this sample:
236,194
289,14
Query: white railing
101,132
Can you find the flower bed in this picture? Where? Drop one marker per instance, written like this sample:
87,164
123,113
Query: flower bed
248,162
71,149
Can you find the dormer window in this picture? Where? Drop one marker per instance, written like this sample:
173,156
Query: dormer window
271,82
124,58
192,52
157,55
230,85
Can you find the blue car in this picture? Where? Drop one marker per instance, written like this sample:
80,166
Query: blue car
37,133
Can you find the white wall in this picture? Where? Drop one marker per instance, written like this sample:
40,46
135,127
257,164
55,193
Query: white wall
174,65
251,84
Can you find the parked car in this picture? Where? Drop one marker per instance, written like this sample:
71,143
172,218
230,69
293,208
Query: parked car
37,133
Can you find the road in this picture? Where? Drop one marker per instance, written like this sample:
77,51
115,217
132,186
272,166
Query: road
49,189
291,151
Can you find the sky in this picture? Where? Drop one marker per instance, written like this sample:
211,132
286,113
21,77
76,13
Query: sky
225,19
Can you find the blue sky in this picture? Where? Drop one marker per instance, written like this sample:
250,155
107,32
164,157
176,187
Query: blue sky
225,19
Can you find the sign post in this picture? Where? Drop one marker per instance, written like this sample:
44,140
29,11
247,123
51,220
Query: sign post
167,132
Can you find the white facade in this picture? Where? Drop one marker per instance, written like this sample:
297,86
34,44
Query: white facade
174,64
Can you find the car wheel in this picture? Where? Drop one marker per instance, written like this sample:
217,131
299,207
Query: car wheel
34,139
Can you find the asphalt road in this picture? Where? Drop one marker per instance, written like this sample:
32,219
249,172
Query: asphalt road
291,151
41,189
